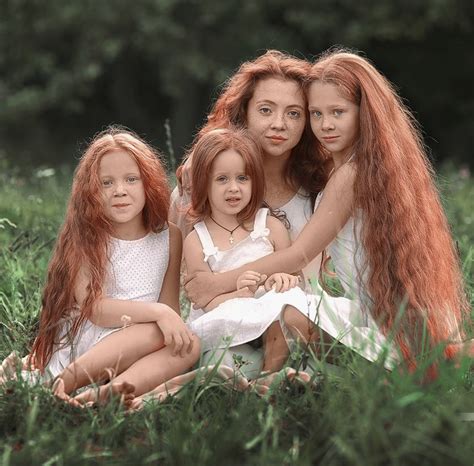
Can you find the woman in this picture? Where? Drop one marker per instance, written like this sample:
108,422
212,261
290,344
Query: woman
267,97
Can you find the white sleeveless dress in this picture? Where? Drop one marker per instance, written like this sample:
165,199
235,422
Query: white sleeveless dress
135,272
298,211
345,318
240,320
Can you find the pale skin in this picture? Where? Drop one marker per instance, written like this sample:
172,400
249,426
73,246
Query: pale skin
334,120
276,117
157,345
229,192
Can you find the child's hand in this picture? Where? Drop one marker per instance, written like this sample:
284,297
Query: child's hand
281,282
250,280
175,333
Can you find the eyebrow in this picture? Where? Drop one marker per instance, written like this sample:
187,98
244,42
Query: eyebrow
274,103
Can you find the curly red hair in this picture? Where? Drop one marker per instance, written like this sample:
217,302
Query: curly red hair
306,167
83,238
412,262
209,146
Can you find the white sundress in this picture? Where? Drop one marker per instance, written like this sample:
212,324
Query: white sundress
135,272
240,320
344,318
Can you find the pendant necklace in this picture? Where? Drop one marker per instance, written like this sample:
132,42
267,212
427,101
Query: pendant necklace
231,238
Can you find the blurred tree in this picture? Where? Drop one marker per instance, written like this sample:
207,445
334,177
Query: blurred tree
69,68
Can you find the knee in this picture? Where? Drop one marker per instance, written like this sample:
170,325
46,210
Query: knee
293,318
195,352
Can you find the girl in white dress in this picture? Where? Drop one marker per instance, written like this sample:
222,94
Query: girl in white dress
382,222
110,304
233,230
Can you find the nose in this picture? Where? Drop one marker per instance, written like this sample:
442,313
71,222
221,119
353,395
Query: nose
119,190
278,121
327,123
233,186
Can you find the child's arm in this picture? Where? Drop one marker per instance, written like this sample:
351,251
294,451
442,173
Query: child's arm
109,312
331,215
194,257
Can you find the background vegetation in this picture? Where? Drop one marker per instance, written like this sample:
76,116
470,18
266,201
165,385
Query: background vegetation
69,68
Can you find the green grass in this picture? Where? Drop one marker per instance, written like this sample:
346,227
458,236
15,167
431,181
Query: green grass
361,416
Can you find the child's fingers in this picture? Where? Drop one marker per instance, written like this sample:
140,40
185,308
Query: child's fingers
178,344
187,343
248,282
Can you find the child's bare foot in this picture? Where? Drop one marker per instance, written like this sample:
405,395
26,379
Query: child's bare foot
9,367
59,392
263,384
101,395
173,387
232,378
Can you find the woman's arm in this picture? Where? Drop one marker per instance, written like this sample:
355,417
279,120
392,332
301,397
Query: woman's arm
331,215
169,294
194,257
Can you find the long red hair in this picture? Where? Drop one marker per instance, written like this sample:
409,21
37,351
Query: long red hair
84,237
209,146
413,271
305,167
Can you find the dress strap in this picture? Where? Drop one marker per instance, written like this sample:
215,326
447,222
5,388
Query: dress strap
260,225
208,247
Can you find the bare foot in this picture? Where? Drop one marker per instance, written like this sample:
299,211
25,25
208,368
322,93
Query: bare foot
104,394
173,387
263,384
59,392
9,367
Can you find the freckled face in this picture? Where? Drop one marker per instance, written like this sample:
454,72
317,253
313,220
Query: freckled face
334,119
276,115
122,189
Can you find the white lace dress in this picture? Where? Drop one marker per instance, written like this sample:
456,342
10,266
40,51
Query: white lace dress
240,320
345,318
135,272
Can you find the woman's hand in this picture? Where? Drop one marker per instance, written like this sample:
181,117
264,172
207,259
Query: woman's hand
202,288
251,280
175,333
281,282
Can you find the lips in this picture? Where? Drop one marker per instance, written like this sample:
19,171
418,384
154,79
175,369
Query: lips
330,138
233,200
120,206
277,139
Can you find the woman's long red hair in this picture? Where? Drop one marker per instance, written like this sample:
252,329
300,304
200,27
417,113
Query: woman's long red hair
306,168
84,237
413,270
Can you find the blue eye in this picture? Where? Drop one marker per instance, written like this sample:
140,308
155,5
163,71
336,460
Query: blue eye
107,183
242,178
316,114
294,114
338,112
132,179
221,179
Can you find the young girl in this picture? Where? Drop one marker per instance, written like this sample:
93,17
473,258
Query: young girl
111,295
233,229
380,219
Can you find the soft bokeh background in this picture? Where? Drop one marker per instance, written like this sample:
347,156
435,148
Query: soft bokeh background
70,68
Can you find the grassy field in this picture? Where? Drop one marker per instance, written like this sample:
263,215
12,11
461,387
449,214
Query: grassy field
361,416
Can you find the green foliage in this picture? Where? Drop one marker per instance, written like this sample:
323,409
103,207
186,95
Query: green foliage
358,415
69,68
